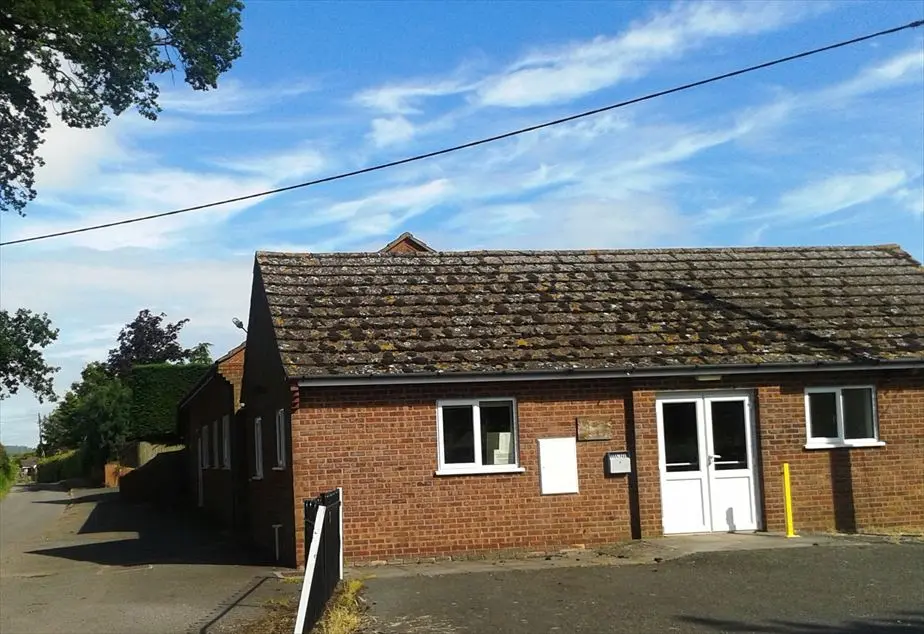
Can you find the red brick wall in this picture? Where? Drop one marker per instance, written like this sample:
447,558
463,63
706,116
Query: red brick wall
232,369
873,487
863,488
379,444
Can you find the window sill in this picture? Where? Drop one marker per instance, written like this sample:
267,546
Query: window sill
845,444
255,478
479,470
279,468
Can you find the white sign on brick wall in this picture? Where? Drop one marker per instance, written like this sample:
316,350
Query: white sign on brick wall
558,472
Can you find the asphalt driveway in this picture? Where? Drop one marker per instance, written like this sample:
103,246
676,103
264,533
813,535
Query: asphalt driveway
88,563
841,588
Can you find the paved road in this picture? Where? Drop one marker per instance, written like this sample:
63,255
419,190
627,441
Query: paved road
20,517
838,589
92,564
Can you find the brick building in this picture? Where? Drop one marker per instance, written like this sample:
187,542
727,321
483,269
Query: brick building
475,401
209,421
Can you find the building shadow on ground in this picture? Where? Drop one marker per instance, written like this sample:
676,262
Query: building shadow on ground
901,623
157,535
91,498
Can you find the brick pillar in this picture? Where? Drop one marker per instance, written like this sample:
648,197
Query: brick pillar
649,475
772,413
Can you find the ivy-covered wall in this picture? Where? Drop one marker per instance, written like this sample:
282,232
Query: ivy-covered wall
156,392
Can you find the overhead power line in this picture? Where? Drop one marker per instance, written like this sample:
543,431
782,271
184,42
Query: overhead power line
476,143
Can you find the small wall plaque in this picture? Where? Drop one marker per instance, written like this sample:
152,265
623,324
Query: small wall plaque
594,428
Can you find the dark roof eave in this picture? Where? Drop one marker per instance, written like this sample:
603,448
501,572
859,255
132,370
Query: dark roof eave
621,371
207,376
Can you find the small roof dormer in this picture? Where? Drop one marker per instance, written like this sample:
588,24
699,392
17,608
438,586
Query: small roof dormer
406,243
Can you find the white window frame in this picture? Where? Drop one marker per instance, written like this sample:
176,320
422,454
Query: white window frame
257,448
840,441
216,446
280,440
226,441
476,467
204,445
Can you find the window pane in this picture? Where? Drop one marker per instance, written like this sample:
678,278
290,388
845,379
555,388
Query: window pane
458,435
729,435
823,414
681,437
497,441
858,413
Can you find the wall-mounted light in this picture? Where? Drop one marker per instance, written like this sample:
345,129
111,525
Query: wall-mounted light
708,377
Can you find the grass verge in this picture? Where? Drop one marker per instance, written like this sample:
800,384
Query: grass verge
5,485
344,614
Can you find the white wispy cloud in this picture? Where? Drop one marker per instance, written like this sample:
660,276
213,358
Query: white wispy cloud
128,195
379,212
911,198
837,193
73,155
900,69
142,188
569,72
232,97
631,220
391,130
279,166
406,98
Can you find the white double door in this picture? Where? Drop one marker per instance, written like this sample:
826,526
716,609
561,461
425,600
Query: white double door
708,475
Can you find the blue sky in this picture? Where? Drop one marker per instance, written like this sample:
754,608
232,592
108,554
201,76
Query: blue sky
825,150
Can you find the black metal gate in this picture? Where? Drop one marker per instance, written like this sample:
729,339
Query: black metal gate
327,569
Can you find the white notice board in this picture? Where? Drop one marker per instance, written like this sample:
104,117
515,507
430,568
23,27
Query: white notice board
558,465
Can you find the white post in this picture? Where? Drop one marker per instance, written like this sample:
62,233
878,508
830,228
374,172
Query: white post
276,528
309,569
340,489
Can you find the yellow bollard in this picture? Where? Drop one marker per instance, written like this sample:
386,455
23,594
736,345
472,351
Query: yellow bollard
787,494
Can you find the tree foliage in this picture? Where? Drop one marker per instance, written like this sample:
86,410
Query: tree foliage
100,57
23,336
149,339
94,414
97,415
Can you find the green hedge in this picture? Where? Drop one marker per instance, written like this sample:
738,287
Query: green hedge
156,392
7,471
61,466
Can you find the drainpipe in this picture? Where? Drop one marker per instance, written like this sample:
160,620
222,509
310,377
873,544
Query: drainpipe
276,528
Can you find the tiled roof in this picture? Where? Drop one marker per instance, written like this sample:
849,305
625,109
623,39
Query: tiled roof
528,311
